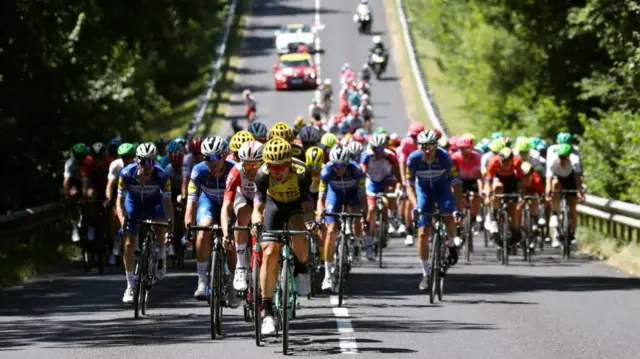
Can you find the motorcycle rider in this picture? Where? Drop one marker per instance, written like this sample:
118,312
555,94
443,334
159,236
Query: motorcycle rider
363,9
378,47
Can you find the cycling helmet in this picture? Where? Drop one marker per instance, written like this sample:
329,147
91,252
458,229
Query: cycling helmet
174,146
276,151
339,154
126,149
251,151
522,144
507,141
526,168
427,138
213,146
195,145
314,101
176,158
564,149
471,136
415,129
258,129
376,39
298,123
345,66
542,146
314,156
377,140
238,139
98,148
496,145
329,139
394,140
438,133
282,130
309,134
496,135
116,141
483,146
506,154
563,137
381,130
453,143
465,142
355,148
327,82
146,151
359,137
246,92
365,66
365,97
533,142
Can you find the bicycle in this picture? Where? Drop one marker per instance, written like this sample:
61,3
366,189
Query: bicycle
286,295
437,254
467,228
247,308
218,276
341,271
527,225
147,264
94,252
503,224
381,232
314,255
178,247
564,223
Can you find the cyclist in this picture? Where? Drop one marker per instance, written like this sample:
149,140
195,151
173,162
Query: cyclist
95,169
144,191
430,176
112,146
380,165
526,153
72,185
346,74
310,137
408,145
192,158
315,110
365,72
503,176
494,148
237,140
250,105
283,130
314,159
329,140
355,150
259,131
366,111
564,172
239,194
563,138
341,184
176,153
282,196
127,153
467,162
532,185
162,158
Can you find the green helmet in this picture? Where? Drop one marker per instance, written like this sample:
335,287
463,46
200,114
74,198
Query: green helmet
483,146
496,135
314,100
522,144
563,137
79,149
329,139
126,149
533,142
564,149
496,145
381,131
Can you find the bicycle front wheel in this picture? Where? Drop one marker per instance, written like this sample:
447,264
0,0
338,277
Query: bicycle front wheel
567,238
434,274
255,297
342,269
284,304
141,274
215,285
381,228
468,234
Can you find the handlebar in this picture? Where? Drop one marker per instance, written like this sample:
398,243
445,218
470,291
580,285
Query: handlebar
508,196
149,222
386,195
283,232
342,215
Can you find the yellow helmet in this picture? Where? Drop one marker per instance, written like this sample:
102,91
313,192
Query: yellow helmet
314,156
298,123
282,130
329,139
276,151
239,139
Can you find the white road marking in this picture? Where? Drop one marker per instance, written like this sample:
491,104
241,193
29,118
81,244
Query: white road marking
348,343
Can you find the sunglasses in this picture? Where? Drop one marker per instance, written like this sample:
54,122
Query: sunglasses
428,147
564,157
379,149
213,158
146,162
278,169
315,168
251,165
339,165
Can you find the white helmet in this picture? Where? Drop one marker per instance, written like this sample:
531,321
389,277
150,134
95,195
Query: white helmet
258,129
365,97
251,151
365,66
213,146
427,138
146,151
327,81
376,39
355,148
98,147
378,140
309,134
339,154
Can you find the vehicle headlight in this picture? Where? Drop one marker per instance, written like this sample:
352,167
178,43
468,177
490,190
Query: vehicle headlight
280,77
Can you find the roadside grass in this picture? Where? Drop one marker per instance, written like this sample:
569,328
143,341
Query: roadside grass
449,100
622,255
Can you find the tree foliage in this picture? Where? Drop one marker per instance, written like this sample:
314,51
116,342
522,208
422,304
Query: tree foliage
544,66
84,71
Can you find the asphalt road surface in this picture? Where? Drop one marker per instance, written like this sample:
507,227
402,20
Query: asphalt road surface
580,309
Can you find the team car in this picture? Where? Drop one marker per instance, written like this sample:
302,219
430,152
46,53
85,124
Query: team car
288,37
295,71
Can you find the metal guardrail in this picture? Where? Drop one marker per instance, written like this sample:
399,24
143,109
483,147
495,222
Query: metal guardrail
615,218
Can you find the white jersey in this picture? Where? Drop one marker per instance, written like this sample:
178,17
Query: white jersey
115,168
363,9
555,168
72,169
484,161
379,169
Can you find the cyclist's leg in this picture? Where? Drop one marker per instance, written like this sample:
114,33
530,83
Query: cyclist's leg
243,210
498,188
447,205
425,204
204,217
568,183
371,189
132,210
274,219
300,247
332,204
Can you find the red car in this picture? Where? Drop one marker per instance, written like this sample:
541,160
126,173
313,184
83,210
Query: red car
295,71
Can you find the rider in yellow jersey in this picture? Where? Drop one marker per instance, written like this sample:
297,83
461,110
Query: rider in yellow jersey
283,130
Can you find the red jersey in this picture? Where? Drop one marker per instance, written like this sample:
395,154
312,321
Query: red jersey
533,183
496,169
407,146
97,171
468,168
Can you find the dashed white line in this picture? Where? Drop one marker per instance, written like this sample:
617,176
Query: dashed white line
347,339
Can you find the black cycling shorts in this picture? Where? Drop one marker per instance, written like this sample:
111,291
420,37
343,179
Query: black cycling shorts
568,183
276,214
510,184
470,186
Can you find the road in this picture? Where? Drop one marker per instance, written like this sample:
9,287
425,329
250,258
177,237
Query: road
581,309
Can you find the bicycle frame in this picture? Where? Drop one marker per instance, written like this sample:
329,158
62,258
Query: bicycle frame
344,261
503,222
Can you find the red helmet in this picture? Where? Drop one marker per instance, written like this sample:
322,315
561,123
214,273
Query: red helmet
194,145
358,137
438,133
465,142
453,143
176,158
415,128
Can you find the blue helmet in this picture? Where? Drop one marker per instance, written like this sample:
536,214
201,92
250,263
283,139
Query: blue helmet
175,146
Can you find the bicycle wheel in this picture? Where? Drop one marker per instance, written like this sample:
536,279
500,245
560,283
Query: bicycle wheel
284,306
566,251
468,235
381,232
530,240
435,267
255,298
312,265
215,284
342,268
441,267
141,273
526,239
505,239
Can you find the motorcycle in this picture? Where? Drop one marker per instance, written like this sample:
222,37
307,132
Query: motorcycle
377,63
364,22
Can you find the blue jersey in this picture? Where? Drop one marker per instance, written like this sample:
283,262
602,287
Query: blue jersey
427,176
352,181
354,98
158,185
203,183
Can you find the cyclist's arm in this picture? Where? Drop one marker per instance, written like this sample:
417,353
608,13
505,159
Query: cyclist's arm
233,181
322,189
192,197
168,203
304,181
411,180
122,187
260,197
